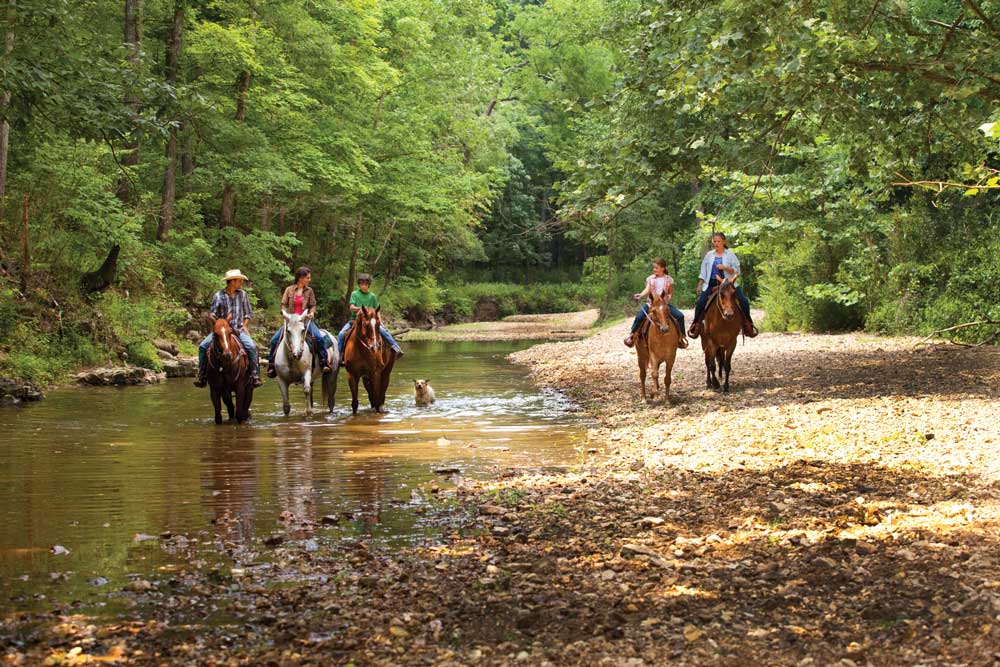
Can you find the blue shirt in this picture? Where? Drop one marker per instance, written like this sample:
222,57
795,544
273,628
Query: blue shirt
718,275
223,304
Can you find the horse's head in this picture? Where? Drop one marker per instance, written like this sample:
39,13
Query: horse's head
222,334
727,300
366,325
295,332
658,313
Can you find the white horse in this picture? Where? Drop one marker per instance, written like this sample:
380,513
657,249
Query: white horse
295,363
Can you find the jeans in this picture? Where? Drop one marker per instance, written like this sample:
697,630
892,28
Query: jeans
248,345
313,331
644,311
385,334
699,308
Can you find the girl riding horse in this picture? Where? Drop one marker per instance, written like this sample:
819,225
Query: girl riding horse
297,299
658,283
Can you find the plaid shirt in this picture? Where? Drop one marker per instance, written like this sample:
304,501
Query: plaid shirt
239,304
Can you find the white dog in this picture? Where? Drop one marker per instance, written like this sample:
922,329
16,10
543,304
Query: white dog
423,392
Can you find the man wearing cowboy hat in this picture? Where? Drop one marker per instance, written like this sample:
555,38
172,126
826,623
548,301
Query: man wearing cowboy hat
231,301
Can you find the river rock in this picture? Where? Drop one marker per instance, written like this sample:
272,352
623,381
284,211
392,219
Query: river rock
165,346
181,367
18,390
119,376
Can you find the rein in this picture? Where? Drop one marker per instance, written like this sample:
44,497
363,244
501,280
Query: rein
652,322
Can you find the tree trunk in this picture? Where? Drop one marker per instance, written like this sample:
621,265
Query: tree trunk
103,277
174,42
354,259
25,247
266,206
227,213
5,126
133,40
187,155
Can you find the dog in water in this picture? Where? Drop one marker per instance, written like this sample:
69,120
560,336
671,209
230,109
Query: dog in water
423,392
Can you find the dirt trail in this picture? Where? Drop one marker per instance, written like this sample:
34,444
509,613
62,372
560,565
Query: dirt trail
557,326
840,507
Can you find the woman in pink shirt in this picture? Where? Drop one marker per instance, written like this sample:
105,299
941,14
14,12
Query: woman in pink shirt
657,283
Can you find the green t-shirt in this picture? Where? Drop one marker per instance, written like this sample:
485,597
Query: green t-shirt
359,298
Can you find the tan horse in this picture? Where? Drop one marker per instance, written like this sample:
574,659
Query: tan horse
659,346
723,322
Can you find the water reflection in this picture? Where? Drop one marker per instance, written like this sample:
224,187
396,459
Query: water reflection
96,470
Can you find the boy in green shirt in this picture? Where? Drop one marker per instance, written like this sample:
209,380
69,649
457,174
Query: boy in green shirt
362,297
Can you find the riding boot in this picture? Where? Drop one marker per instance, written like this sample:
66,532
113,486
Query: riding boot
630,340
256,381
272,371
399,351
682,342
749,330
202,379
695,330
324,360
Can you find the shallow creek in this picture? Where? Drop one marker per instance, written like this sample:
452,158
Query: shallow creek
103,472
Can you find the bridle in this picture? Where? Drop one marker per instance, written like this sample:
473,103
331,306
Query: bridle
718,300
375,344
223,343
286,341
654,323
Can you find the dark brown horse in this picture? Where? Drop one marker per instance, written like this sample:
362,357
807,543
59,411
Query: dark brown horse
368,359
659,346
229,373
723,322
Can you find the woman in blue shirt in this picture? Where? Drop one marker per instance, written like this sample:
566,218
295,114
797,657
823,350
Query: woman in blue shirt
719,264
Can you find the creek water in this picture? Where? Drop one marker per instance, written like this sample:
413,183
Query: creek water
97,470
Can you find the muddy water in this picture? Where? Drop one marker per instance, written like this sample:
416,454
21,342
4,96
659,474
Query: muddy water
97,470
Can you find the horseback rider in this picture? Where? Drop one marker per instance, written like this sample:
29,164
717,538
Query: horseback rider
720,264
231,301
657,283
363,297
299,298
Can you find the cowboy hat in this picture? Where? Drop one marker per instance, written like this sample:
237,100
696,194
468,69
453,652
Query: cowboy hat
233,274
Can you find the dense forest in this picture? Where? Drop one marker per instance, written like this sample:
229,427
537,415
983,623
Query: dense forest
534,155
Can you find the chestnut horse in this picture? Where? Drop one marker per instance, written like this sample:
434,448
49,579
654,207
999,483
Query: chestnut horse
229,373
659,346
368,359
723,322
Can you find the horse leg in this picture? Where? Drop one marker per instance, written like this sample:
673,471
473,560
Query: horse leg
227,398
240,400
643,361
307,389
655,367
709,367
330,387
217,404
247,401
720,354
353,381
729,367
283,388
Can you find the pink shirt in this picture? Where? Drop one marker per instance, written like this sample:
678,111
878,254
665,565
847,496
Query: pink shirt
298,304
656,285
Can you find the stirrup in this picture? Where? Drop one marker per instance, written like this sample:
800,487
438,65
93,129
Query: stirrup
271,371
